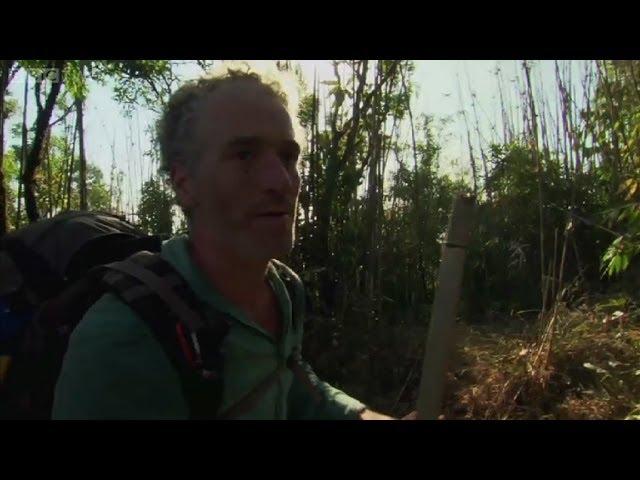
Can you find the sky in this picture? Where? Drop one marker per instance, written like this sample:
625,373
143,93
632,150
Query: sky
444,89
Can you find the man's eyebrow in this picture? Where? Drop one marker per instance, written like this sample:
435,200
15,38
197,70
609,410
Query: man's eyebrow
253,140
240,141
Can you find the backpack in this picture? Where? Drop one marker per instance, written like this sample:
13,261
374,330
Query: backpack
52,271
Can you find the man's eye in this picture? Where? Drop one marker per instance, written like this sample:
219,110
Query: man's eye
289,158
245,154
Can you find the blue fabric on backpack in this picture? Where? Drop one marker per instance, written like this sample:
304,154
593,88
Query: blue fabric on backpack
11,324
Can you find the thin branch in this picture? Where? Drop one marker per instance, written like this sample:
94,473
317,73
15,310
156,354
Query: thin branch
63,116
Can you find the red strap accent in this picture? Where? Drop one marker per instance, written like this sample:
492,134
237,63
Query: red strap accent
184,343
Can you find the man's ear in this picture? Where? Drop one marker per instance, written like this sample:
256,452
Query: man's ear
183,185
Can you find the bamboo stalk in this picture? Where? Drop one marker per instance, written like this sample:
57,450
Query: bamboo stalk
534,126
469,144
505,126
553,267
558,298
483,157
418,206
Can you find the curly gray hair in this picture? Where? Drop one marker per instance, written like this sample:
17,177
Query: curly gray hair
176,127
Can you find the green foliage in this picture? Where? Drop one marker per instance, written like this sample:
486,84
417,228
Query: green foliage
97,191
623,249
52,179
306,109
33,67
155,212
10,167
139,82
504,260
75,79
616,117
10,107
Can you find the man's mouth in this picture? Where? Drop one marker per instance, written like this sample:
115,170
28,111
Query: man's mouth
273,214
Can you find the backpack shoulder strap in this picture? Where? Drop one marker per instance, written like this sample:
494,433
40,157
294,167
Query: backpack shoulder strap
161,298
295,288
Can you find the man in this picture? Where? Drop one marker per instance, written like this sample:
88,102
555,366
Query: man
227,144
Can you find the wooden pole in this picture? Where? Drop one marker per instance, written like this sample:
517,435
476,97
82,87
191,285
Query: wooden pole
445,306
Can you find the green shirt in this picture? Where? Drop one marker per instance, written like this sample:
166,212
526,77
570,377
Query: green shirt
115,369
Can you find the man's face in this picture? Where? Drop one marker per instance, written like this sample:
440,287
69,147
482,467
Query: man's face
245,185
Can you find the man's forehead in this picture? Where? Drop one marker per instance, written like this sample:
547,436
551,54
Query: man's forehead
246,111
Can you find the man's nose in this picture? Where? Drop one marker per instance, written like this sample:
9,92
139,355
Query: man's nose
273,173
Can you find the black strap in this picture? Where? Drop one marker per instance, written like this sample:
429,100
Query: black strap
158,285
251,399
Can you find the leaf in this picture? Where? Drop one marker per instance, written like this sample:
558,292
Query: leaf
622,216
597,369
623,187
616,262
624,262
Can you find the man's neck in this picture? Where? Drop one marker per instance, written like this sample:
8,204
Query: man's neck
238,279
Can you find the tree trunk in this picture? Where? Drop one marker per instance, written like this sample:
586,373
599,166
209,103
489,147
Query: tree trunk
83,159
372,193
34,157
25,147
47,152
65,168
71,162
5,69
111,179
313,161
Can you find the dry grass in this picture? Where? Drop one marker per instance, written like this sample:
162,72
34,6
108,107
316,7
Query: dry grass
588,367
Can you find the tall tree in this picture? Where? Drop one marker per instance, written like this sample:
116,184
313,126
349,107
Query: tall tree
6,67
34,155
